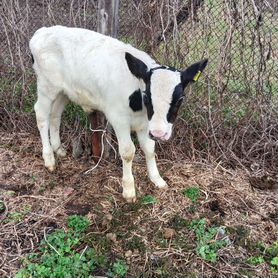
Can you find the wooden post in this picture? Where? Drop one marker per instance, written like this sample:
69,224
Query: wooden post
108,17
107,25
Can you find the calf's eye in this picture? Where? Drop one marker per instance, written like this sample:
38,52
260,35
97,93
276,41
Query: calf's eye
173,112
180,100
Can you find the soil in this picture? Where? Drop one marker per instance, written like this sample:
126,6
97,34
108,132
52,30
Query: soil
36,200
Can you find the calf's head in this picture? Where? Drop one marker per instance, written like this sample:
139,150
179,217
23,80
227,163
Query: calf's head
164,92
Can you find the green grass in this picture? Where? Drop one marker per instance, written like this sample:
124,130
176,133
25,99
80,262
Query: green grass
14,217
20,97
262,254
2,206
119,269
64,254
17,216
57,256
274,264
148,200
255,260
192,193
73,113
207,246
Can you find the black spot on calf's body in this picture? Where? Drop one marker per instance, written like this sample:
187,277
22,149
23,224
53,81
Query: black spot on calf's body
135,101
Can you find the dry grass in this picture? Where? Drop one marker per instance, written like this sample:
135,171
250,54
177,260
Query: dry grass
37,201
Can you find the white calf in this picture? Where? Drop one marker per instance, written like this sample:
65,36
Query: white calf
101,73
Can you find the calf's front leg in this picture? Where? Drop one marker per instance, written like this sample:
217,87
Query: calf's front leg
127,150
147,145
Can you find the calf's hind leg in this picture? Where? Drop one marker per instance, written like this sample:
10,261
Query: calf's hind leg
43,108
55,121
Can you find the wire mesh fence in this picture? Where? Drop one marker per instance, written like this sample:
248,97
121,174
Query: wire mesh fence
231,114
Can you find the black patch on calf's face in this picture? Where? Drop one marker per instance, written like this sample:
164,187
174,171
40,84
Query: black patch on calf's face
135,101
148,101
149,105
176,102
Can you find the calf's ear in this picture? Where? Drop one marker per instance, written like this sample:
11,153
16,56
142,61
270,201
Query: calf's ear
137,67
193,72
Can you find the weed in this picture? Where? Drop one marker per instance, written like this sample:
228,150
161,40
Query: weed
14,217
255,260
10,193
274,264
192,193
30,98
265,255
18,216
272,250
207,245
119,269
77,223
148,200
74,113
57,257
2,206
33,178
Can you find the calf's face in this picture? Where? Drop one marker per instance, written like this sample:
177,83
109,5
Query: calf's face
164,92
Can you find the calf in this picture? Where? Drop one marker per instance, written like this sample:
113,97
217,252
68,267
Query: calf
101,73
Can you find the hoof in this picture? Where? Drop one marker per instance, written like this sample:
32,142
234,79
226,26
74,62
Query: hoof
159,182
130,200
129,195
61,152
50,168
129,192
49,161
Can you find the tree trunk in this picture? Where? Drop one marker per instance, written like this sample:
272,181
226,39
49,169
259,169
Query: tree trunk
107,25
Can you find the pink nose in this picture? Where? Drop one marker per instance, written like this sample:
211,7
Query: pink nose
158,133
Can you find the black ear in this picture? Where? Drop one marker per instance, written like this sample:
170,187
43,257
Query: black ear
136,66
193,72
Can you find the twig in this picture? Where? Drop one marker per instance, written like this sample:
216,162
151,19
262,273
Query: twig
36,197
103,136
83,252
44,235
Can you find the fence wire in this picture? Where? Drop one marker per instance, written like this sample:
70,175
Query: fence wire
230,114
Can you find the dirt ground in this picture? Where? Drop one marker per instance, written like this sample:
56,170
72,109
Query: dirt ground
37,202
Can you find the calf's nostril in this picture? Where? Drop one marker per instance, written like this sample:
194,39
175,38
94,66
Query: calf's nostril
151,136
157,133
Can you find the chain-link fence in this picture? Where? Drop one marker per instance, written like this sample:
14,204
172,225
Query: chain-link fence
20,19
232,112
